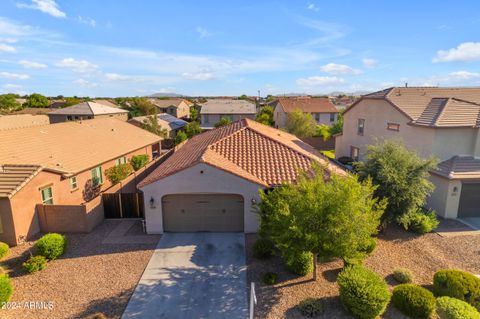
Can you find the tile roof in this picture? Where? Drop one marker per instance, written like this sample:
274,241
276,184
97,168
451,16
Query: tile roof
450,112
72,147
13,177
165,120
307,104
9,122
166,102
228,106
106,103
459,167
248,149
88,108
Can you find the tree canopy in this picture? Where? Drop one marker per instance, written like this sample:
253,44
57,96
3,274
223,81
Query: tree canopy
37,100
192,129
300,124
223,121
181,136
265,116
401,176
9,103
151,125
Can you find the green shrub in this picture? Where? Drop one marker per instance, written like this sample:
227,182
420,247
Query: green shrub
345,160
118,173
35,263
457,284
413,300
403,276
419,221
363,292
270,278
370,247
98,315
349,262
51,246
6,288
310,307
452,308
263,248
299,263
139,161
4,249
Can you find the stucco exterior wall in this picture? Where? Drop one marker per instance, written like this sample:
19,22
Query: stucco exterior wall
7,230
192,180
449,142
446,196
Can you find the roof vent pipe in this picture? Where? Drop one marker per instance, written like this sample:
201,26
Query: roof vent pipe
406,84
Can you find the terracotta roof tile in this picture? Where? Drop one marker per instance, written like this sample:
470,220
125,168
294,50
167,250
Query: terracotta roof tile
248,149
307,104
9,122
459,167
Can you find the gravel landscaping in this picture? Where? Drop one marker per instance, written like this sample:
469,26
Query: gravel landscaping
90,277
423,255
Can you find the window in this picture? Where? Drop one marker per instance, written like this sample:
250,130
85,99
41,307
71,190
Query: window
361,126
97,178
354,152
121,160
393,127
205,118
69,118
73,182
332,117
317,117
47,195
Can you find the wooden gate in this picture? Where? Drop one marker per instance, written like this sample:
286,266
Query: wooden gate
123,205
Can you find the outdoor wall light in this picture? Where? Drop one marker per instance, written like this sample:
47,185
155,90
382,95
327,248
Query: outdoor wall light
152,202
254,201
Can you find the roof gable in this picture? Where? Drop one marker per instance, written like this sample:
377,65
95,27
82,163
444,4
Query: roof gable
307,104
88,108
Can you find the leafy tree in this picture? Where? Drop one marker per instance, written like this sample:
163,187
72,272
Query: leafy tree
9,103
36,100
337,127
69,101
270,98
265,116
139,161
335,218
324,131
137,106
300,124
117,173
401,176
181,136
223,121
243,97
193,113
151,125
192,129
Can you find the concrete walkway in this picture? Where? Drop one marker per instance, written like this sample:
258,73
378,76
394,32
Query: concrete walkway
121,234
193,275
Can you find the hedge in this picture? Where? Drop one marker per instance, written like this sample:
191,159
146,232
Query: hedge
452,308
6,289
457,284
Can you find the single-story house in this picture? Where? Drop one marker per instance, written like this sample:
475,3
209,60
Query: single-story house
62,164
164,120
321,108
214,110
180,108
86,111
9,122
212,181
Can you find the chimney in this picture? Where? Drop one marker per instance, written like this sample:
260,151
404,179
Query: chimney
406,84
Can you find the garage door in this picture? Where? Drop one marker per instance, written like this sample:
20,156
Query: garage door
469,201
203,212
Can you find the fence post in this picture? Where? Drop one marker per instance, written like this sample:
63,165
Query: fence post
253,299
120,202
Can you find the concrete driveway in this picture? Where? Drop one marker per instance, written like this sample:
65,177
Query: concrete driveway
473,222
193,275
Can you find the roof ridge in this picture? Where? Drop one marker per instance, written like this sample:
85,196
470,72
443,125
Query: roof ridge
440,114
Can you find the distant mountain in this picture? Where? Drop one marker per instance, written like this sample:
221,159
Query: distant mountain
356,93
292,94
166,95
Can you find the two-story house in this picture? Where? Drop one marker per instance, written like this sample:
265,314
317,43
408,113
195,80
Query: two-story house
180,108
443,122
87,111
322,109
214,110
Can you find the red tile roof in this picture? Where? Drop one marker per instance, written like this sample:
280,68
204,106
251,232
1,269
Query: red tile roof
248,149
307,104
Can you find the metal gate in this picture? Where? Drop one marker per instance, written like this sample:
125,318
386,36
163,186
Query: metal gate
123,205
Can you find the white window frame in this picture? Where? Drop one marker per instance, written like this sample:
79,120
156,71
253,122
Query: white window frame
357,150
73,183
393,127
47,200
121,160
361,127
94,171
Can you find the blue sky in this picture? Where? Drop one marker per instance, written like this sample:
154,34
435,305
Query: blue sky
120,48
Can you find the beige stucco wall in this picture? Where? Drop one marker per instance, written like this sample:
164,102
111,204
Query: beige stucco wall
377,114
445,200
7,230
192,180
215,118
449,142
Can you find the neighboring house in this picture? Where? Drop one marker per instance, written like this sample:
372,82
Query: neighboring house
9,122
322,109
180,108
86,111
62,164
443,122
164,120
106,103
212,181
34,111
57,104
214,110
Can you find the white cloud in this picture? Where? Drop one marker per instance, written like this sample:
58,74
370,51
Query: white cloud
32,65
117,77
85,83
464,75
203,33
79,66
467,51
313,7
7,48
369,63
14,76
46,6
86,20
9,28
329,31
11,86
198,76
333,68
320,80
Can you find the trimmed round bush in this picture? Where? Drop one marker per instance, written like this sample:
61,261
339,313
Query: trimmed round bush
299,263
6,288
403,276
4,249
457,284
452,308
35,263
263,248
51,246
270,278
310,307
363,292
413,300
